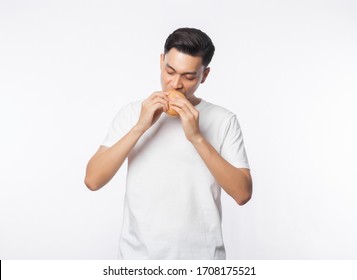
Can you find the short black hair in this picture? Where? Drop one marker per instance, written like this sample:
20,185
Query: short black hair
191,41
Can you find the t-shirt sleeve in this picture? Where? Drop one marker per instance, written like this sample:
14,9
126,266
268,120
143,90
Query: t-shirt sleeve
232,148
120,126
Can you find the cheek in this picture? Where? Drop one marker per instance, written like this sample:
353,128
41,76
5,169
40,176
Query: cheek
165,79
190,87
193,85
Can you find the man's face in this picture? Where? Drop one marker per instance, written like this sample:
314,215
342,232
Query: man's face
182,72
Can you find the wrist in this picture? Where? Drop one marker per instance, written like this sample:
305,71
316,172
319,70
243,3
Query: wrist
137,129
197,140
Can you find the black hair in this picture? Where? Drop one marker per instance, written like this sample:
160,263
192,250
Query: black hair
191,41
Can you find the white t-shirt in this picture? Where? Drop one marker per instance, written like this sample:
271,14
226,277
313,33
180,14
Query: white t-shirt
172,202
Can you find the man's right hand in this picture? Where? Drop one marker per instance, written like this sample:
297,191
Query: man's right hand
151,110
107,160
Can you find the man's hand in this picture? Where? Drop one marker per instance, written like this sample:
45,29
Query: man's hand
106,161
189,118
151,110
237,182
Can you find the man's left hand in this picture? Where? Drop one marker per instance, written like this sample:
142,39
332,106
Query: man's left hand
189,118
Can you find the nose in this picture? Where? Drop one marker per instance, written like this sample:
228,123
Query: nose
176,82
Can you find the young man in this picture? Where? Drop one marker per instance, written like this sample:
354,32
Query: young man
176,166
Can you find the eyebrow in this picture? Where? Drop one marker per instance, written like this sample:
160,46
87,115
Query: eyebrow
185,73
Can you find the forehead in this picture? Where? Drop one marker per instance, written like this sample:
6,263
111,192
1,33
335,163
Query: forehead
182,62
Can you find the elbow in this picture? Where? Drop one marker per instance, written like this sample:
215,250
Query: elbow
243,199
246,192
91,185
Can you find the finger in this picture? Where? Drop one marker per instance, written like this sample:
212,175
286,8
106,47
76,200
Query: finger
152,105
185,104
184,113
189,105
161,97
177,109
159,94
156,98
164,104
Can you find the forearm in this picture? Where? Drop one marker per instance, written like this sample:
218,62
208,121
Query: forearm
235,181
105,164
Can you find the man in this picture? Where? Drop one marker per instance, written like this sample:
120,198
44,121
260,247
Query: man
176,166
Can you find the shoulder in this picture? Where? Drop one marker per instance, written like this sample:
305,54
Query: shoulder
129,110
215,112
214,108
132,107
126,116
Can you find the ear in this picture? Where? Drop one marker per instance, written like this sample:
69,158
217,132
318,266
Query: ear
205,74
162,58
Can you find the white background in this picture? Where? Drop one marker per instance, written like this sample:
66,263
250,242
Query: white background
286,68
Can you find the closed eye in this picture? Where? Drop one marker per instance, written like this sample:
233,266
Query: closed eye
190,78
170,72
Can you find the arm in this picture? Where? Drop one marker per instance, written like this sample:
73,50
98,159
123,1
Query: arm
237,182
107,161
